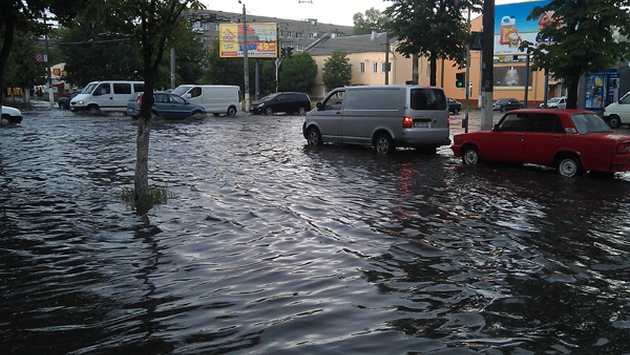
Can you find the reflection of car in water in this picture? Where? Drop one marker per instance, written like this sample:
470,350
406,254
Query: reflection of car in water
572,141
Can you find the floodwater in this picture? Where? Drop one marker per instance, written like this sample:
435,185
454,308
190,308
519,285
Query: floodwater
269,246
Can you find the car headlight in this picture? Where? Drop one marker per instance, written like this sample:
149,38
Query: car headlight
80,102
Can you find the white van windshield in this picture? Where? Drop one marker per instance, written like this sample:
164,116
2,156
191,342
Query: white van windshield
88,89
180,90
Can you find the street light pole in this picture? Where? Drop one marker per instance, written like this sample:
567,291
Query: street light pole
245,59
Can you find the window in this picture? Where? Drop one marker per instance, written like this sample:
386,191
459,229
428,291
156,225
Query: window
513,123
383,67
122,89
310,35
428,99
374,67
362,68
373,99
138,87
194,92
545,123
289,34
103,89
334,101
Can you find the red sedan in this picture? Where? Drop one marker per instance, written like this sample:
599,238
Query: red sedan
572,141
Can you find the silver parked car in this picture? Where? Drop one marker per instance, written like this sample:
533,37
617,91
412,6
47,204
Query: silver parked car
385,117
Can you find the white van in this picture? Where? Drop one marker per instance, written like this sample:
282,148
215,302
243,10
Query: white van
618,113
106,96
217,99
385,117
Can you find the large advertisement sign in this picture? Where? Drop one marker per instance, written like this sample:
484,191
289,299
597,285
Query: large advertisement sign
262,40
511,26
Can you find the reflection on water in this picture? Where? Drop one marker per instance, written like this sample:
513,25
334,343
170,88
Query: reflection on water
269,246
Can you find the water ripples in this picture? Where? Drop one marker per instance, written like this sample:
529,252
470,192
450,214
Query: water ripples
268,246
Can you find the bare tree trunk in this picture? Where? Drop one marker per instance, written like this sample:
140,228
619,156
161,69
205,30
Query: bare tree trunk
141,177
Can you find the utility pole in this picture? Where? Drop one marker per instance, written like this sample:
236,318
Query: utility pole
245,59
487,56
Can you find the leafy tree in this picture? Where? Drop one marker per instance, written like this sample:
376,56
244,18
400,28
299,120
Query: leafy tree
153,25
224,71
435,29
337,70
581,39
298,73
22,70
373,19
22,16
90,53
268,77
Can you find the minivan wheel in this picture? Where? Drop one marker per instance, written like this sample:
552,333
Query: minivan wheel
231,111
470,156
269,111
614,121
568,166
384,144
313,137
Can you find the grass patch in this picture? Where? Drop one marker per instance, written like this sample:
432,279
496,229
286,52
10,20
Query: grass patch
157,195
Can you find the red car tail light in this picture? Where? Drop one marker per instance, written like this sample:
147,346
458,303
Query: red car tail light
623,148
139,100
407,122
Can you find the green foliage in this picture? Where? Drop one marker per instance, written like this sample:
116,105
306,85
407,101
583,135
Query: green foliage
267,77
337,70
435,29
224,71
585,39
298,73
373,19
22,70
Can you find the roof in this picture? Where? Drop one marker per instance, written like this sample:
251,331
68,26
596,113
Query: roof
369,43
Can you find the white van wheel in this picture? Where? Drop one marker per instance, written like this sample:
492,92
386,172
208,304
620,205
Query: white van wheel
384,144
231,111
313,137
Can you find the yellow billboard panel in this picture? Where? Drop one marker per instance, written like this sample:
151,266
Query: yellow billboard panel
262,40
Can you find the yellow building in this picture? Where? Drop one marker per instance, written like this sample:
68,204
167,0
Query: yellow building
367,54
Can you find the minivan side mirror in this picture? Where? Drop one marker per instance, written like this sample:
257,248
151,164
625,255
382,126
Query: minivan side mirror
319,105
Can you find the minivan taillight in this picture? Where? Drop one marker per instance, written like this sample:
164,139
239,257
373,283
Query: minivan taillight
139,100
407,122
623,148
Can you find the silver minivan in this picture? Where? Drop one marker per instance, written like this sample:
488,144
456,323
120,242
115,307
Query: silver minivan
385,117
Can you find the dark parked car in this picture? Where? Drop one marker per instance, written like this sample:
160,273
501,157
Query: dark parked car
288,102
572,141
166,105
507,104
64,101
454,106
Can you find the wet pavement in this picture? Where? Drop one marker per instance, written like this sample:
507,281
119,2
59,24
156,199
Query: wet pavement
267,245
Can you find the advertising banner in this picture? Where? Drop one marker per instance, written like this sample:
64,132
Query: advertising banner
262,40
511,26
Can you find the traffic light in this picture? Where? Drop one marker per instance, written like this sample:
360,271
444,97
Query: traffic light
289,52
284,53
459,79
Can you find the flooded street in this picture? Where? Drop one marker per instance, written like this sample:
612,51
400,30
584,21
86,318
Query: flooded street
269,246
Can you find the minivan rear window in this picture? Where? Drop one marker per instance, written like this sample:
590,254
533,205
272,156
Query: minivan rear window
428,99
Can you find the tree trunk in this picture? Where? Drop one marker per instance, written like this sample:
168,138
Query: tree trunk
8,18
433,64
141,177
572,91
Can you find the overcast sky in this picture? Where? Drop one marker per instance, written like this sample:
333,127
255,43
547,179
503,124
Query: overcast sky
338,12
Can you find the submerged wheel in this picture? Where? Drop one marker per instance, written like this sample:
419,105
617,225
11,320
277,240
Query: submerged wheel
384,144
470,156
269,111
231,111
568,166
614,121
302,111
313,137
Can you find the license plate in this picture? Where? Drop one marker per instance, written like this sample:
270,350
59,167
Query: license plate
422,124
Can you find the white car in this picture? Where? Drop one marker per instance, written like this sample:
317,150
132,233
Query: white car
618,113
11,115
556,102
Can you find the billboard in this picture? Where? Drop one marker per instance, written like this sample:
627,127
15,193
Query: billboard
262,40
511,26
